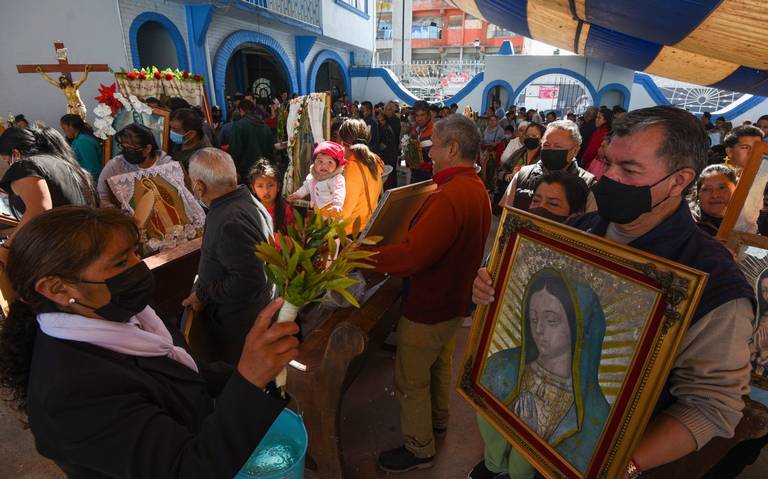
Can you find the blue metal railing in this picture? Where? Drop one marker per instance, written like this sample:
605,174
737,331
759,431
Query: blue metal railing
304,11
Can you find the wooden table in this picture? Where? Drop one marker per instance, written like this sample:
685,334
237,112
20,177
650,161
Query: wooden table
333,354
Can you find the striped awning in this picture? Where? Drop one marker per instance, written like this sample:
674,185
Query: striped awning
718,43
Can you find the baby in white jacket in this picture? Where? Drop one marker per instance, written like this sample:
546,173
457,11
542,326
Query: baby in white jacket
325,183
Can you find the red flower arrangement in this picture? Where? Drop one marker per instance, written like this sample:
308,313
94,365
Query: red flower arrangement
168,74
107,97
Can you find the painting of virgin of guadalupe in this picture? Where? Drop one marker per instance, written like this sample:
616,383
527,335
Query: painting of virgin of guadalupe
566,364
754,263
164,210
551,380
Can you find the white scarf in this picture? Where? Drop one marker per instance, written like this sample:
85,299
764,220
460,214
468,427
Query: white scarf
143,335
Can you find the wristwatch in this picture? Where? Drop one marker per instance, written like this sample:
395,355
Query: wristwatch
633,472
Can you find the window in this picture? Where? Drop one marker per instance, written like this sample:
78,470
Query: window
496,31
427,28
358,4
472,23
359,7
384,30
384,6
454,22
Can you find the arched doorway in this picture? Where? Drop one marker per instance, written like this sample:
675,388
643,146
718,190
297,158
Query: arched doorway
612,98
329,73
155,41
497,90
254,70
156,48
562,92
264,47
329,78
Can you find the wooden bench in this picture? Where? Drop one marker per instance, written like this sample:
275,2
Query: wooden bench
333,354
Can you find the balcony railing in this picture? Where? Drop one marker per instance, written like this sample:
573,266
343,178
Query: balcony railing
435,80
304,11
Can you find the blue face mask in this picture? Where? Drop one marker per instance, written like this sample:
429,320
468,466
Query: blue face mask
177,138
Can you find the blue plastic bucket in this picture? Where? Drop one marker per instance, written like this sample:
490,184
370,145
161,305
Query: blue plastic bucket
281,454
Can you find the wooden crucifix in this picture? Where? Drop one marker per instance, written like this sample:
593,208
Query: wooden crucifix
69,88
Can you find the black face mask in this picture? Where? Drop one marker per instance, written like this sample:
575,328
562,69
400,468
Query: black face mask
545,213
532,143
554,160
133,157
131,291
622,204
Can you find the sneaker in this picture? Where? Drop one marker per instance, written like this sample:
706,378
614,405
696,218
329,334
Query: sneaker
482,472
440,432
402,460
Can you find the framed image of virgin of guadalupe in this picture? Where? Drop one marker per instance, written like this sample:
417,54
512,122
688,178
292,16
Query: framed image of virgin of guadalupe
567,364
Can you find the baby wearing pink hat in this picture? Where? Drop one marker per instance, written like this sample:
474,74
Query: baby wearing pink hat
325,182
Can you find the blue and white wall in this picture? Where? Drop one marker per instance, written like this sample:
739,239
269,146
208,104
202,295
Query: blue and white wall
512,73
605,82
749,107
212,33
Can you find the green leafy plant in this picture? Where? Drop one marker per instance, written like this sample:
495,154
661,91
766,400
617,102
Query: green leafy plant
314,257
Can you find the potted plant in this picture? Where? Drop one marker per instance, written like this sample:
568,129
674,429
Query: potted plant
315,257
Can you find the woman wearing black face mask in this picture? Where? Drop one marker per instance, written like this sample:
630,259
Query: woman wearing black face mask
527,154
138,149
107,386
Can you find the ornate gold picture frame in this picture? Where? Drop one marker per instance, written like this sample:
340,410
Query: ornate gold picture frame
569,360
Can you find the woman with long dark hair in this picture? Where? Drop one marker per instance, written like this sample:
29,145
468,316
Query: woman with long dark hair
107,386
362,173
87,148
42,173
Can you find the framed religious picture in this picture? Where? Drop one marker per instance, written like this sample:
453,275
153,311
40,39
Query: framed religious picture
753,262
165,211
159,121
396,210
746,218
568,362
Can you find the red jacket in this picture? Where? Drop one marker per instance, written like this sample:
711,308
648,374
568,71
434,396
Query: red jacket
420,135
594,144
443,250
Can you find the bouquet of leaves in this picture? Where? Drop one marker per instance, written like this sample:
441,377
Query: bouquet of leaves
313,258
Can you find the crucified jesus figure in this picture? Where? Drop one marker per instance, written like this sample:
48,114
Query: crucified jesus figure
75,104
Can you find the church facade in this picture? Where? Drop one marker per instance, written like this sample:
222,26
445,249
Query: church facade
258,47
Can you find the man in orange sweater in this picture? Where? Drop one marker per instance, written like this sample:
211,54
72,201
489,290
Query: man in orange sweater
438,260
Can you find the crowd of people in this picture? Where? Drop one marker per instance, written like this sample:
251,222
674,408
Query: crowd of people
109,387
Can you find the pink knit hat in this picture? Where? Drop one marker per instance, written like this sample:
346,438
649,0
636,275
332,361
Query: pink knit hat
332,149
